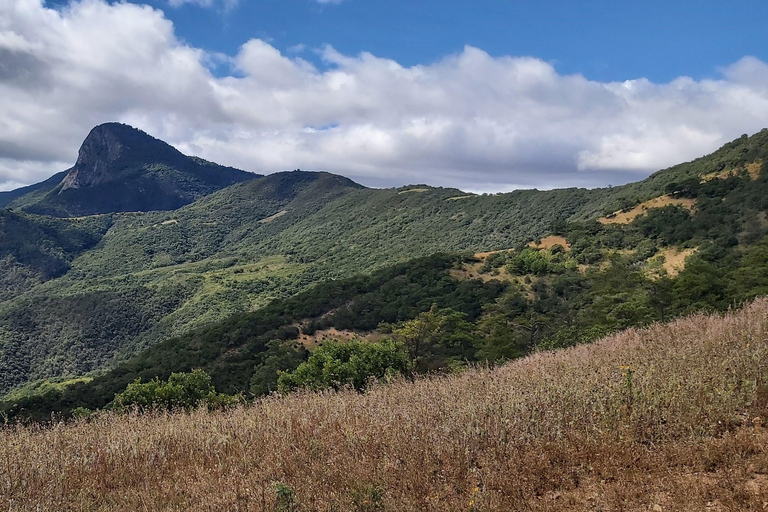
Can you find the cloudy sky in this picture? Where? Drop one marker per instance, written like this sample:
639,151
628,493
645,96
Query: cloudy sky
488,95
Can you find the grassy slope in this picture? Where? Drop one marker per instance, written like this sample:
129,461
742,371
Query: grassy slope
165,273
670,416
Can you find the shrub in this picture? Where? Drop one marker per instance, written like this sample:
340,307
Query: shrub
180,391
337,364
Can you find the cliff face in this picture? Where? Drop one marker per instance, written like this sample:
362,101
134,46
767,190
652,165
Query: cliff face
120,168
111,147
100,150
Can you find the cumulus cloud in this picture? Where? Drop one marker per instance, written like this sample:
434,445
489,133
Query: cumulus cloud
471,120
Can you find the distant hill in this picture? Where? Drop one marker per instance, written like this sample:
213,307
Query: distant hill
31,191
148,276
122,169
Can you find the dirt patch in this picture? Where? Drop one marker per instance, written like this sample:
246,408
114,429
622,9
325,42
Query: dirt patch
548,242
169,222
625,217
674,259
456,198
471,270
418,190
311,341
753,170
273,217
483,255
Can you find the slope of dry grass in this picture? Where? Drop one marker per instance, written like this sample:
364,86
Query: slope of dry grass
665,418
625,217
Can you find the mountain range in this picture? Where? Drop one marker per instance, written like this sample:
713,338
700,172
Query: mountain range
137,244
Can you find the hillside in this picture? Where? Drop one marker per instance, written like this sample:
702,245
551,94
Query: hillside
665,418
157,275
122,169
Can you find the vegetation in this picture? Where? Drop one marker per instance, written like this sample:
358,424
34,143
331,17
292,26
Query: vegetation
671,417
180,391
356,364
194,276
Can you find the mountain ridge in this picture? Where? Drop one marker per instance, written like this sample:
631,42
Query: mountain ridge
121,169
161,274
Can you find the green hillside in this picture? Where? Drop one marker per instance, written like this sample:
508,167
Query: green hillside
157,275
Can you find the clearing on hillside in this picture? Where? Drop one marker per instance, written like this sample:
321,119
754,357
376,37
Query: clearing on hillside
548,242
273,217
674,259
311,341
753,171
625,217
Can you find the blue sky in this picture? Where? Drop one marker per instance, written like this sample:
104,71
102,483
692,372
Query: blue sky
603,40
486,96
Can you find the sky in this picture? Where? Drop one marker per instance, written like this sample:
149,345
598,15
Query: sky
486,96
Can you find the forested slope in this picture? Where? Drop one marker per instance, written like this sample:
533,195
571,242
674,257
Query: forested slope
155,275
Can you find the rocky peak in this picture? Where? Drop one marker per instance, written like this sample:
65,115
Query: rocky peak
103,150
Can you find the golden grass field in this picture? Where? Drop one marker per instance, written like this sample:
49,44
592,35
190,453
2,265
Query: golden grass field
665,418
625,217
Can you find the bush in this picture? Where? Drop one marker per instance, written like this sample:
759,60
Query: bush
180,391
337,364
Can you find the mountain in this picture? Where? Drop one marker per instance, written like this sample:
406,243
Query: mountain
122,169
38,189
157,275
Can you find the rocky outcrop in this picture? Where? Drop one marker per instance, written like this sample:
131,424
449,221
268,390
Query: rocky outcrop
103,148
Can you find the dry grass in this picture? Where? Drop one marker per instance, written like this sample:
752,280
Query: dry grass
674,259
276,216
311,341
472,270
550,241
414,190
625,217
753,171
665,418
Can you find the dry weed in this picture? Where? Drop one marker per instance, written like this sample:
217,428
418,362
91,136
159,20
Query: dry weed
665,418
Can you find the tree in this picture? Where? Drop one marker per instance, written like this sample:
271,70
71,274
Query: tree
180,391
337,364
435,335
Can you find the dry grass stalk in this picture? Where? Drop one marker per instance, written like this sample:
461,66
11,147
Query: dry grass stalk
665,418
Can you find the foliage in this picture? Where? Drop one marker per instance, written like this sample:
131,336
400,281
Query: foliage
434,337
191,277
180,391
355,363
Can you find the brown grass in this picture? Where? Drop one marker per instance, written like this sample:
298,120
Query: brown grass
416,190
753,171
625,217
665,418
471,270
269,219
311,341
548,242
674,259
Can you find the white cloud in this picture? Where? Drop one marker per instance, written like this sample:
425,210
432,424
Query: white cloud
470,120
226,4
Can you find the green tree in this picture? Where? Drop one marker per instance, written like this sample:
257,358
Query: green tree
180,391
436,335
337,364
